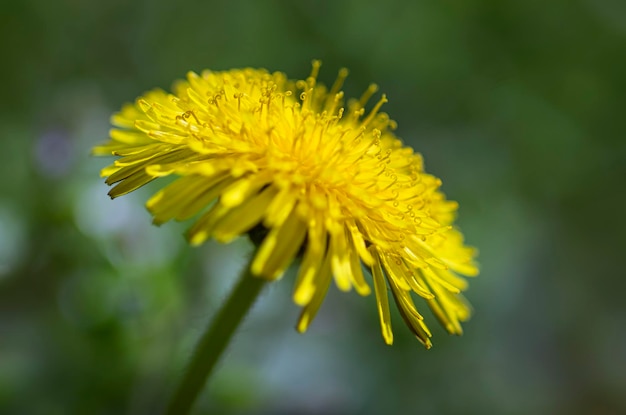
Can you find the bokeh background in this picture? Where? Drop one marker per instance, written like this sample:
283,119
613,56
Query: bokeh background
518,105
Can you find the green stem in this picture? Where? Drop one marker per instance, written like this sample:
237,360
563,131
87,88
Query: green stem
214,341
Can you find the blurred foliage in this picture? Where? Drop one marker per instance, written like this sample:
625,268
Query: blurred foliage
517,105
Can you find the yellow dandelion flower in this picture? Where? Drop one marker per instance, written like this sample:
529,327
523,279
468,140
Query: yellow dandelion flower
305,175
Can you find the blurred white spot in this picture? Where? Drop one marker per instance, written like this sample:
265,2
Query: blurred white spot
125,229
100,217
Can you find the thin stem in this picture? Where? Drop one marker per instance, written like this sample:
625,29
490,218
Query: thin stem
214,341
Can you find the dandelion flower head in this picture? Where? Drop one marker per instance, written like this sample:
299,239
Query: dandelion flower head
310,177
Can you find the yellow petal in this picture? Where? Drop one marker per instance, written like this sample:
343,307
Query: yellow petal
279,248
322,279
382,300
306,281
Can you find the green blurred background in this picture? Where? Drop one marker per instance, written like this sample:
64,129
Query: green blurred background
517,105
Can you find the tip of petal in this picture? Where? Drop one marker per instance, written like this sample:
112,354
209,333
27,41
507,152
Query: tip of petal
388,335
197,238
363,290
303,294
303,323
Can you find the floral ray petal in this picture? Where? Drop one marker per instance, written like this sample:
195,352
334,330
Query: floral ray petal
382,299
323,279
279,248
